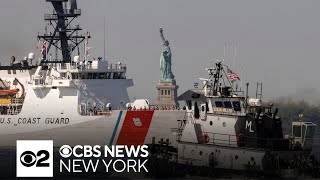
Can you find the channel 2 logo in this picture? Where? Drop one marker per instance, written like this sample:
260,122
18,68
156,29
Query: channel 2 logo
34,158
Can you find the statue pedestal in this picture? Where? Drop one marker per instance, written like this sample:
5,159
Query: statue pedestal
167,94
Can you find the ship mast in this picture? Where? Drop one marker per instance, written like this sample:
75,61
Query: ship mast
64,36
216,77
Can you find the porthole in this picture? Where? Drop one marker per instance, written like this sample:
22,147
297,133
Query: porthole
211,123
224,124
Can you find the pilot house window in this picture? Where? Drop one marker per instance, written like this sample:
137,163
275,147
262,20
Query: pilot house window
236,105
218,104
297,131
227,104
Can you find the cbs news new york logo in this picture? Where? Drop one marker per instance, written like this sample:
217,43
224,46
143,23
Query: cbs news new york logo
34,158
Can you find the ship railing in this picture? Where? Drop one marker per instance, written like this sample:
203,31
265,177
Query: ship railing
71,11
234,93
234,141
42,80
65,12
238,93
155,108
219,139
38,80
97,113
228,111
14,110
17,101
50,17
117,66
111,67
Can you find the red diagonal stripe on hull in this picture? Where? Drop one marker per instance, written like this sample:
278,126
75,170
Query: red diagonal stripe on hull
131,133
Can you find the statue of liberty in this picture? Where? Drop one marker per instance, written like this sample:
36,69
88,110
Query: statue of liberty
165,61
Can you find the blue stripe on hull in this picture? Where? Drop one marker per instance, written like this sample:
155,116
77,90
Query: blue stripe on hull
115,129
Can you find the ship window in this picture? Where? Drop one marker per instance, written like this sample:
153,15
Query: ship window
89,75
165,92
207,106
196,111
102,76
218,104
74,75
108,75
189,104
227,104
115,75
236,105
297,131
119,76
202,108
63,75
95,76
303,131
168,92
162,92
310,131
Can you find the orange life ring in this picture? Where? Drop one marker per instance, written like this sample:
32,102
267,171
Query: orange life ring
241,139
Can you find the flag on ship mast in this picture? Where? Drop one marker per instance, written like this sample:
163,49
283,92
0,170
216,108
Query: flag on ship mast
44,48
37,46
232,75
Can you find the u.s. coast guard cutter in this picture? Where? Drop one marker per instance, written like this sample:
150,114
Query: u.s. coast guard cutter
72,98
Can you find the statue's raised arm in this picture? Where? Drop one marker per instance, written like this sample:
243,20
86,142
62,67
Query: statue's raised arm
161,35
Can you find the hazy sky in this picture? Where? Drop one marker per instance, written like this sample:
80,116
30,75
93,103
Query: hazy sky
278,41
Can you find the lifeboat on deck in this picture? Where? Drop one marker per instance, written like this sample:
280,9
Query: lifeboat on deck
9,92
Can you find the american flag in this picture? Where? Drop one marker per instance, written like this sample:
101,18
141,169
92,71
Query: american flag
232,76
37,46
44,48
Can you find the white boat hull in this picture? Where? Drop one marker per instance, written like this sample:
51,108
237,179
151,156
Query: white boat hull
98,130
